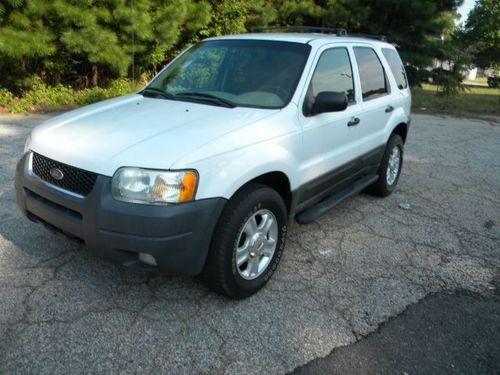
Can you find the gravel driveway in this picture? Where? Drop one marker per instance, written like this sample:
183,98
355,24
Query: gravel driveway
64,311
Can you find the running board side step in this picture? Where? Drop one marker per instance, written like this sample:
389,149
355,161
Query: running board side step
325,205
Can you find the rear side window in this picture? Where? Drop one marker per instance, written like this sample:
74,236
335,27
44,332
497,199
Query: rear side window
396,66
371,73
333,73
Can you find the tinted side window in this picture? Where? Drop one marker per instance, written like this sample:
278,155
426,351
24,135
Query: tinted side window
371,73
396,66
333,73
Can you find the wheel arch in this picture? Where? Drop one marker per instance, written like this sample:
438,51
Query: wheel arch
402,130
277,181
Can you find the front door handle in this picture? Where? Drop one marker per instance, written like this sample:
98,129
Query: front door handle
354,121
389,108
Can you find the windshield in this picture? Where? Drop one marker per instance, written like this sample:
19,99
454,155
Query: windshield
251,73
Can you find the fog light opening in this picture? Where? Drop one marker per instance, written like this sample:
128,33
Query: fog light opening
148,259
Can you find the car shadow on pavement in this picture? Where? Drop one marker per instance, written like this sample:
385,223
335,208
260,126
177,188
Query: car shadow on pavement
35,246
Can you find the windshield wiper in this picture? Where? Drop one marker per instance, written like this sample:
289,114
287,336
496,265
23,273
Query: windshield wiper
157,92
207,97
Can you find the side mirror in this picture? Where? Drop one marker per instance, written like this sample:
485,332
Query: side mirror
329,101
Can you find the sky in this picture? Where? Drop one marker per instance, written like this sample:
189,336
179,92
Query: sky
465,9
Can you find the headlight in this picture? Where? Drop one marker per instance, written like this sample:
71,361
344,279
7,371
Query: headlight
152,186
27,144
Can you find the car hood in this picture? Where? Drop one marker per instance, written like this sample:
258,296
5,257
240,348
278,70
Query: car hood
136,131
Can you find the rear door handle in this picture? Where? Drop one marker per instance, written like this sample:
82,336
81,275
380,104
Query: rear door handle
389,108
354,121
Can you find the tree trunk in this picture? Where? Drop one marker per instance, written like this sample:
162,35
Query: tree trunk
95,75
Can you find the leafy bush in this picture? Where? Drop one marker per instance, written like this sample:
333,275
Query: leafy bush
449,82
493,82
417,76
6,98
43,97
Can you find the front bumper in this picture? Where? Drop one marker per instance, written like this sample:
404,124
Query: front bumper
177,236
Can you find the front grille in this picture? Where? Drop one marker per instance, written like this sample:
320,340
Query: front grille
74,179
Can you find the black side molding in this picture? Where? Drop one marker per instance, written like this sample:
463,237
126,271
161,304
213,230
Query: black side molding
325,205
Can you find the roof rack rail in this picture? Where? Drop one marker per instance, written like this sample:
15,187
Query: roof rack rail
315,29
383,38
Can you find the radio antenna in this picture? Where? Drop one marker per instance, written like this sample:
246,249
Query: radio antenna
133,41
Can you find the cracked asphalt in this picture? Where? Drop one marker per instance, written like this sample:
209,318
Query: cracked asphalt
341,277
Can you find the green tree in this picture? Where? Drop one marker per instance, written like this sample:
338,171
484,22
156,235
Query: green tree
451,51
159,29
350,15
227,17
238,16
91,41
305,12
482,33
414,26
24,42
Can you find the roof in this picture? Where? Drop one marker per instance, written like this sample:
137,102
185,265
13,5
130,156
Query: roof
296,37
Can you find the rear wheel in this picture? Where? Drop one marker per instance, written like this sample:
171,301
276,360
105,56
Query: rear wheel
248,242
389,169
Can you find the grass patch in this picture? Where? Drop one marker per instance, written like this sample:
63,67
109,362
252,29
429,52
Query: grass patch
480,102
43,97
477,81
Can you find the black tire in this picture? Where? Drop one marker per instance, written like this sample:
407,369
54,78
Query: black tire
381,187
220,273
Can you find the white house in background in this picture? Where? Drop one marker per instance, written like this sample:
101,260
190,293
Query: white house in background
474,73
468,74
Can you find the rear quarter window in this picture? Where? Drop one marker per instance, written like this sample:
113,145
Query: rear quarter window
397,67
371,73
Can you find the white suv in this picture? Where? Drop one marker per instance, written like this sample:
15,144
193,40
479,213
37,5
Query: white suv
200,171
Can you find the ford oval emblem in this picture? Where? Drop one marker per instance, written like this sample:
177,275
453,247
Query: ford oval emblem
56,174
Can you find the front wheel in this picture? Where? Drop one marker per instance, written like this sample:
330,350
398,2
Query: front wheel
248,242
389,169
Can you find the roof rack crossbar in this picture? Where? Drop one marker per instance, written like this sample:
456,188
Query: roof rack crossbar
287,28
383,38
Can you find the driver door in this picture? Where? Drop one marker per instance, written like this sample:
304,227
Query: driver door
329,139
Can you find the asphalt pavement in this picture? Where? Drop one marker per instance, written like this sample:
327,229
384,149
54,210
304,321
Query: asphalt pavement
372,269
455,333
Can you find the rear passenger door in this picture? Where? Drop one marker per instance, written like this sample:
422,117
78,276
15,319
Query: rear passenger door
401,93
376,96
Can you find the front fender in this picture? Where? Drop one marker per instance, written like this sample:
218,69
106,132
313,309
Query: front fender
223,175
273,144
